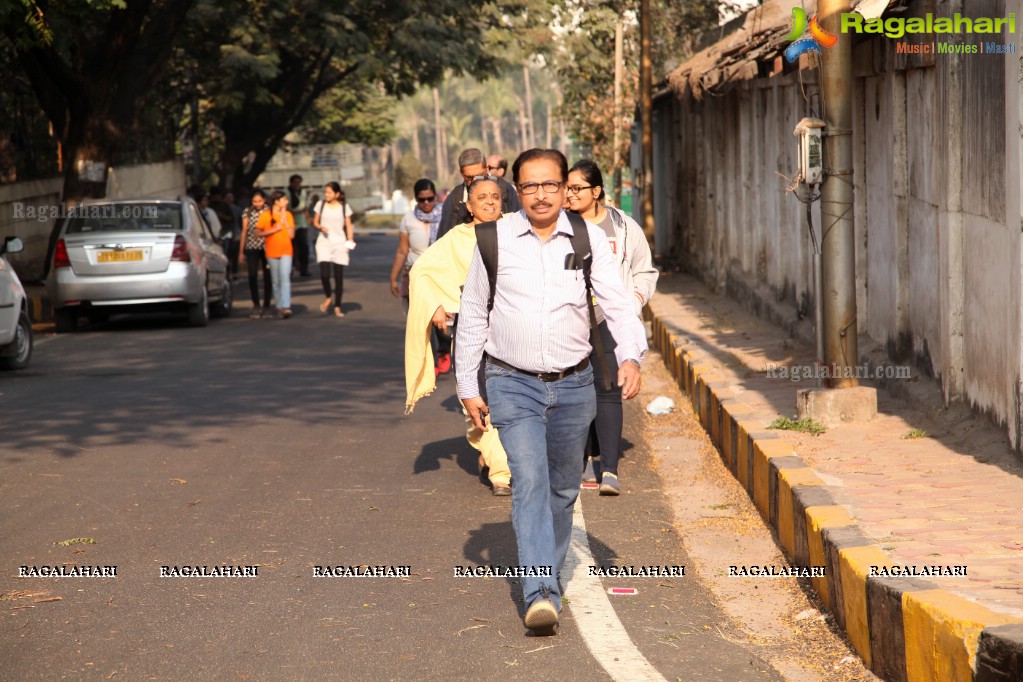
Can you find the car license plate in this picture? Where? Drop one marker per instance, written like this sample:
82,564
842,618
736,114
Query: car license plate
118,256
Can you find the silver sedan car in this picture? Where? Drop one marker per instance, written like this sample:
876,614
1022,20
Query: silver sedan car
140,255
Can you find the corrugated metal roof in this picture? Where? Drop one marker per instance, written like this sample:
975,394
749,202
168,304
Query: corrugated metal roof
760,38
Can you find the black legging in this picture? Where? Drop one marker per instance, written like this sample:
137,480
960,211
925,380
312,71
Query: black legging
339,279
255,261
605,439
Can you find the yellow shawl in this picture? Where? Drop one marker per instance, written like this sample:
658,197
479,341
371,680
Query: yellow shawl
435,280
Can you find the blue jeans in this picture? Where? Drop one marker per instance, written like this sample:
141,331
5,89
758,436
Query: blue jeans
280,273
543,427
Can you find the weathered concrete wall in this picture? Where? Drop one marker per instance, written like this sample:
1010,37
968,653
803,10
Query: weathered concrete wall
27,208
937,149
165,180
25,211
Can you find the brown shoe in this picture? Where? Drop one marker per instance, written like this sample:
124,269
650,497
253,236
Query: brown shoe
502,490
542,617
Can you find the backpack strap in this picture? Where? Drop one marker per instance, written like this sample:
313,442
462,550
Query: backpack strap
583,254
486,240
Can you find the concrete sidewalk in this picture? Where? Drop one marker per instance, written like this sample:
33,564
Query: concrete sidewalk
918,489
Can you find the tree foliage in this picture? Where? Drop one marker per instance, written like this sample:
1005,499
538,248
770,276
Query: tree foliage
261,70
90,64
126,80
327,68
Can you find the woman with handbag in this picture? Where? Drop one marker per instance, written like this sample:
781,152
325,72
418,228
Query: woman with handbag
414,236
253,256
333,218
585,195
436,290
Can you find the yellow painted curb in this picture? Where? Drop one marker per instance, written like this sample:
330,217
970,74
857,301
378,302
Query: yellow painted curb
763,452
942,632
718,394
742,455
728,447
687,369
854,569
787,480
817,519
676,363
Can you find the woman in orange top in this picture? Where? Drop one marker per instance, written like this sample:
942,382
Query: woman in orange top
277,226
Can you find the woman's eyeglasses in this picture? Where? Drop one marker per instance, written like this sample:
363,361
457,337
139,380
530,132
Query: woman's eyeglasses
423,200
575,189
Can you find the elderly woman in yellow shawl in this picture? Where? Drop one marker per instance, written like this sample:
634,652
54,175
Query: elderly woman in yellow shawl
435,289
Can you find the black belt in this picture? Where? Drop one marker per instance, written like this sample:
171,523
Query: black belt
543,376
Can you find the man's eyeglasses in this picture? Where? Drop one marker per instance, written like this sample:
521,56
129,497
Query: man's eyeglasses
493,168
550,187
575,189
423,200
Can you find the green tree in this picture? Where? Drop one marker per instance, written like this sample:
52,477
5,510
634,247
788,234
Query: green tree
278,59
583,60
93,87
409,169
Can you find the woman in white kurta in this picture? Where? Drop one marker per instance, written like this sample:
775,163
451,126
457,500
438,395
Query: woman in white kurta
333,218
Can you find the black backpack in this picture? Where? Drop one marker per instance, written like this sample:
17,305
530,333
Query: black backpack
486,240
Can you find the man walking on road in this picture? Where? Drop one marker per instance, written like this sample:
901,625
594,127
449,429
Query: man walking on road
298,205
471,164
539,383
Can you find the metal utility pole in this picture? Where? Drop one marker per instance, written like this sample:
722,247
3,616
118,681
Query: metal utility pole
646,118
841,352
618,114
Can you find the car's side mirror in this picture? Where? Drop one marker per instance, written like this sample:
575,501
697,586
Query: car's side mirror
12,245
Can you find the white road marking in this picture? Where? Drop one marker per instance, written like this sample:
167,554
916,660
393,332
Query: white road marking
604,634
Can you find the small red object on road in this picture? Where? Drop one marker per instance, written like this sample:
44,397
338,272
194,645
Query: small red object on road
622,590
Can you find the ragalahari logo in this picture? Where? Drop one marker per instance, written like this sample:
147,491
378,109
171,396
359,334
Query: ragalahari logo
818,36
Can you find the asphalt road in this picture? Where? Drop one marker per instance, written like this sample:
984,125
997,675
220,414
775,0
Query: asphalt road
282,444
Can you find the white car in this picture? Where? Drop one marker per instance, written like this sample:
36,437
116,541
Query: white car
15,325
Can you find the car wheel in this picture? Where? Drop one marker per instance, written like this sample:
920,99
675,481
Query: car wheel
22,345
65,320
223,307
199,313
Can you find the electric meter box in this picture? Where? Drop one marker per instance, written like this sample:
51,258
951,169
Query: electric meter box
811,163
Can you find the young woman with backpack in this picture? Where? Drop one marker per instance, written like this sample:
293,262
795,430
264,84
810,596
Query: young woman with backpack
585,196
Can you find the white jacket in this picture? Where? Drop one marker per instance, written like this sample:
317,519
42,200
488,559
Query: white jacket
635,263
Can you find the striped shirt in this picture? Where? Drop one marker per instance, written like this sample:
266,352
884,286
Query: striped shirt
540,322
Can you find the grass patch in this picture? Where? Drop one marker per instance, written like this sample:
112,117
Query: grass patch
805,425
915,433
76,541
